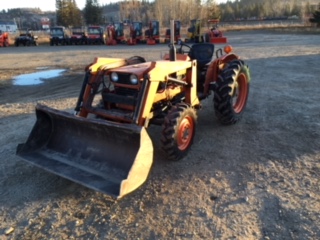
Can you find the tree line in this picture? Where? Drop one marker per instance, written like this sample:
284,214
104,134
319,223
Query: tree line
315,18
265,9
68,14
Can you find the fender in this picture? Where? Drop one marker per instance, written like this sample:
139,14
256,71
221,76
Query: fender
215,68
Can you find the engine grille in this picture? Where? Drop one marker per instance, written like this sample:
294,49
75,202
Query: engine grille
121,95
126,92
124,78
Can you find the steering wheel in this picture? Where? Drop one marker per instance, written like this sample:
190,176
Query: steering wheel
181,48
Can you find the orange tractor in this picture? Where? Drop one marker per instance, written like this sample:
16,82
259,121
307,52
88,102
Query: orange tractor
152,35
115,33
105,145
215,35
136,35
4,39
95,35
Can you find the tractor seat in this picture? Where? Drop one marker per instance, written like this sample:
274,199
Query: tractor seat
202,52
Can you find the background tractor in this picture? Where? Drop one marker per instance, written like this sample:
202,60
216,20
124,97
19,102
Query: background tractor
214,34
152,34
177,36
78,36
105,145
135,35
194,32
115,33
96,35
26,38
59,35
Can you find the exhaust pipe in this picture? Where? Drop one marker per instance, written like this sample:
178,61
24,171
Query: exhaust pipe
172,50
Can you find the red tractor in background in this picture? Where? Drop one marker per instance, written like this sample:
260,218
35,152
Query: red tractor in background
96,35
177,37
115,33
152,35
135,33
214,35
4,39
78,36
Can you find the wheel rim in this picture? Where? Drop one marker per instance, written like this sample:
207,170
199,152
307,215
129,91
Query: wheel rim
239,98
185,133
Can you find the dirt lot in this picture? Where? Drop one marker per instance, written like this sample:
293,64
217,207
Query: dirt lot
258,179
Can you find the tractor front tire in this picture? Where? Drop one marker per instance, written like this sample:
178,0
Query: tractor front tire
178,131
231,92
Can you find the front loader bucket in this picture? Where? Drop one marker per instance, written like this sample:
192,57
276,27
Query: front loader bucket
108,157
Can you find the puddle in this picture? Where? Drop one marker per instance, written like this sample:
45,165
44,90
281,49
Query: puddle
37,77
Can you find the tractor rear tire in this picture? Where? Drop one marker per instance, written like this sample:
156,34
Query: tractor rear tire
231,92
178,131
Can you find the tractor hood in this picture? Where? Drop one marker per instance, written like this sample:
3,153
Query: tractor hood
158,67
137,69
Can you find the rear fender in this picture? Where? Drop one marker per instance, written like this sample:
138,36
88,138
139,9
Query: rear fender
228,58
214,69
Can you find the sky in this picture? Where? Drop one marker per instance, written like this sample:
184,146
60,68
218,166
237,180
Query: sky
46,5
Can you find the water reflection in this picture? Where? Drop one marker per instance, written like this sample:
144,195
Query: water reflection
37,77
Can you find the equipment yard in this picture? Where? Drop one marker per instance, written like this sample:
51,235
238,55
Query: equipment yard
257,179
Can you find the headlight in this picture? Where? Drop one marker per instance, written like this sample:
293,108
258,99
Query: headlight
114,77
134,79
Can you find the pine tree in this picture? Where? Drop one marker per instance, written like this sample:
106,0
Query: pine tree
93,12
316,17
68,14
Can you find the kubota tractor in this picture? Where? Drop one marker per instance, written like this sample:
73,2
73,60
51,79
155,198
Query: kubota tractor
4,39
96,35
194,32
214,34
152,33
115,33
136,35
177,37
78,36
105,145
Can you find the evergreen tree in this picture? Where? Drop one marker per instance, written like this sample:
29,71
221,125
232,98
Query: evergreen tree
67,13
316,17
213,11
93,12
